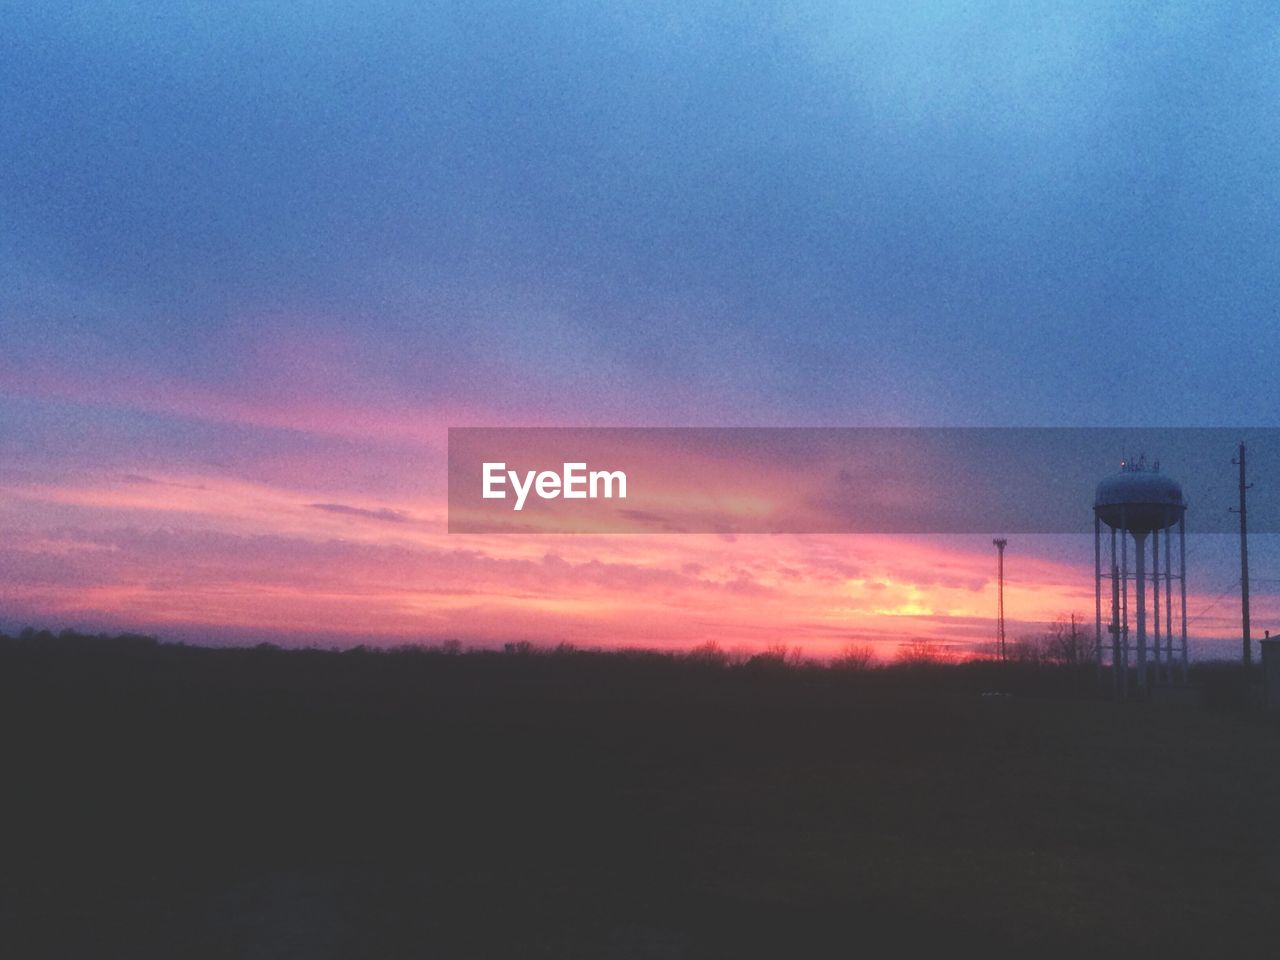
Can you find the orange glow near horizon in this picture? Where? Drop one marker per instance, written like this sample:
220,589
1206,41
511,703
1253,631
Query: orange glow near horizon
181,553
308,540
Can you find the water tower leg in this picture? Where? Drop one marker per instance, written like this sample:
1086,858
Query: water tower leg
1124,609
1097,593
1140,584
1155,601
1115,621
1182,580
1168,602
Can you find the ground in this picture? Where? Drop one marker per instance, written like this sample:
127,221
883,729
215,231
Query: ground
169,801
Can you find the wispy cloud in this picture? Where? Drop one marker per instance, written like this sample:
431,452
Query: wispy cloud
380,513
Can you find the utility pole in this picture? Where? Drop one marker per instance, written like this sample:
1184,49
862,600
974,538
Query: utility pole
1244,561
1000,645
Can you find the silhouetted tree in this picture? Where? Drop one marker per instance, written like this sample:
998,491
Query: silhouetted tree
855,656
1067,642
918,652
709,653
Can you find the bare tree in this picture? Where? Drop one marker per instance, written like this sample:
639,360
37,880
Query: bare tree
855,656
1027,649
918,652
709,653
1067,643
777,656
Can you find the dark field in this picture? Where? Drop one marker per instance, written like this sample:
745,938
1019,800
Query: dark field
183,802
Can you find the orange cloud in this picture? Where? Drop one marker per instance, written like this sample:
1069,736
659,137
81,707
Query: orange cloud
209,553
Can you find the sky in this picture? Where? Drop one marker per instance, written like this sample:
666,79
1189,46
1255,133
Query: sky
256,258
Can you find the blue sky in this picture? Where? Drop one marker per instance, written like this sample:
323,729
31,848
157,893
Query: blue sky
343,221
952,213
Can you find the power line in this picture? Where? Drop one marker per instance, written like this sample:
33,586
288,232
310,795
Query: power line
1000,544
1215,601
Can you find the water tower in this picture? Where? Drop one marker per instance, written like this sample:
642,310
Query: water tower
1141,503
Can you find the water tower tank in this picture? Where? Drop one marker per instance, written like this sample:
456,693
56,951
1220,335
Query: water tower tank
1139,499
1139,503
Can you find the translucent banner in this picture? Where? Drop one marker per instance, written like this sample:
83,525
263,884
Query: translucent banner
841,480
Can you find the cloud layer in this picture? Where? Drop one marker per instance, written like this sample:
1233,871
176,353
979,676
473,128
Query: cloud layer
257,257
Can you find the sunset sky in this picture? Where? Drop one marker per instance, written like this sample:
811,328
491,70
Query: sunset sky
257,258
